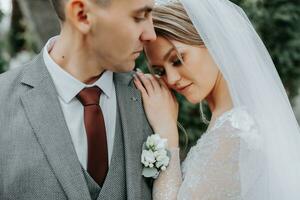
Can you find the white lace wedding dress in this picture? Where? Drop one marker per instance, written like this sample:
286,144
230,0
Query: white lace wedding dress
211,168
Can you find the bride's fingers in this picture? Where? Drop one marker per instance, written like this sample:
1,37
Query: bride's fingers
146,82
165,87
174,98
140,87
148,76
163,83
154,82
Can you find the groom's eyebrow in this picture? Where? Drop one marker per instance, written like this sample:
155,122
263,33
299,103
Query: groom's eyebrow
146,9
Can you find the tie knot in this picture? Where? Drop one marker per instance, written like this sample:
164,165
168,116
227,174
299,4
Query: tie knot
89,96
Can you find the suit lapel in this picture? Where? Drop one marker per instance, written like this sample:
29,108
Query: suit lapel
43,110
130,107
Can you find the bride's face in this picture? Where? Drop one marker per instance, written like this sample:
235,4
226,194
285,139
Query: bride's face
194,78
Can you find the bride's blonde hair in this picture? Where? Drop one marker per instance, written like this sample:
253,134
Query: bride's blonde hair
171,21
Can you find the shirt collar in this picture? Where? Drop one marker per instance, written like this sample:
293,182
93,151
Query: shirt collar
68,86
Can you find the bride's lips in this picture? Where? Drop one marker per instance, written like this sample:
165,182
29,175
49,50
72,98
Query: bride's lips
184,88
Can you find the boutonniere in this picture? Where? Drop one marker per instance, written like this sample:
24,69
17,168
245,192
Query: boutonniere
155,157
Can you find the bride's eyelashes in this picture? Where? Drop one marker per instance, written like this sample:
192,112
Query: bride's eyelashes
176,61
160,71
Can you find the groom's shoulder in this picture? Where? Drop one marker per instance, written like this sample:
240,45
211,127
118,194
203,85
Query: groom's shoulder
125,78
12,78
17,72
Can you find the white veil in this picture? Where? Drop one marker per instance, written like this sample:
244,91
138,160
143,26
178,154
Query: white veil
274,173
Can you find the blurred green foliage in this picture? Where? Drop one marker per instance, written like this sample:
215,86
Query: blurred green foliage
278,24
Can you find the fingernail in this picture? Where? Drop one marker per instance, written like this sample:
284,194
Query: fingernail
138,70
140,73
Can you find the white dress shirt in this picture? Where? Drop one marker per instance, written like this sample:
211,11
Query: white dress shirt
67,88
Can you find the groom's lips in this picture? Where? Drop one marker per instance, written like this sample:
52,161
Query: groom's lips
137,54
139,51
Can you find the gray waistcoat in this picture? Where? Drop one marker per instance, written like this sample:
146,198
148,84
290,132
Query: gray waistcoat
114,187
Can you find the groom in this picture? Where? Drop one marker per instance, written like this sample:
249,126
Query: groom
71,121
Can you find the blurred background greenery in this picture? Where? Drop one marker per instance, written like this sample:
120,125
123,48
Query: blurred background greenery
31,23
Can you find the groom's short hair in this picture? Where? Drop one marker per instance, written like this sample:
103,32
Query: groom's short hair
60,4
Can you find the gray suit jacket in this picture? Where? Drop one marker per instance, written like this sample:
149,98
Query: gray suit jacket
37,157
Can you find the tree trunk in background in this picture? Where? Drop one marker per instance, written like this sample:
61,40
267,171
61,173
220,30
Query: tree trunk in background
17,28
41,18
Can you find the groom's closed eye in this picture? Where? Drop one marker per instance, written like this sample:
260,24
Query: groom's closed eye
140,18
142,13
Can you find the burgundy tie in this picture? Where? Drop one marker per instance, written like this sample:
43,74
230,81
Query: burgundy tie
97,165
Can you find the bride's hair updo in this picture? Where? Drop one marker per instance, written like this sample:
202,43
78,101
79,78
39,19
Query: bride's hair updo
171,21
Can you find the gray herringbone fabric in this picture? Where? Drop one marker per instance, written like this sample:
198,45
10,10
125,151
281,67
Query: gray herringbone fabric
37,157
93,187
114,186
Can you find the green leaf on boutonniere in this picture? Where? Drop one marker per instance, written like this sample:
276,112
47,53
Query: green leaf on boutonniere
150,172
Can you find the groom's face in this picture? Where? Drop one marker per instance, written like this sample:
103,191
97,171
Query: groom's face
119,32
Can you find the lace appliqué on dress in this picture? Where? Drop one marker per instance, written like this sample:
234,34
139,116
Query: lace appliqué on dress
211,168
240,119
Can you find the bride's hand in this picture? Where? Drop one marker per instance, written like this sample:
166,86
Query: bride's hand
160,105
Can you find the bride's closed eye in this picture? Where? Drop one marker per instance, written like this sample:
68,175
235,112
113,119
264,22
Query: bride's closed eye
160,71
176,61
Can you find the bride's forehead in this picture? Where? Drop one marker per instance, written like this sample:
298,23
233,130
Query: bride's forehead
159,47
160,41
162,45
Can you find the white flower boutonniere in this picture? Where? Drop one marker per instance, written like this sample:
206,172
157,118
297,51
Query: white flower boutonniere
155,157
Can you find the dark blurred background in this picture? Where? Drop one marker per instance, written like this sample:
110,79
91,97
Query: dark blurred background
26,25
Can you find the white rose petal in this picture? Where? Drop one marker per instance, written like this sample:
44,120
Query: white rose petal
148,157
154,155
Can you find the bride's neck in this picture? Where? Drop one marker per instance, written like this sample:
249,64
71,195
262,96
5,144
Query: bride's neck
219,100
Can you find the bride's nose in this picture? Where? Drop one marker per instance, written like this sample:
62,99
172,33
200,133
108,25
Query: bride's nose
172,76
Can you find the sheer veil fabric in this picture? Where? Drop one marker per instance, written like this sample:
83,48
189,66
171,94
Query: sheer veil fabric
274,173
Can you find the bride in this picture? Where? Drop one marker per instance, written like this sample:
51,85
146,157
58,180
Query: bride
208,50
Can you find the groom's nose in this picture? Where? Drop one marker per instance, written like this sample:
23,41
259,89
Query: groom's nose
148,35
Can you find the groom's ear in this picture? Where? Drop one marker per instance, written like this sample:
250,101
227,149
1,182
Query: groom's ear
78,14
